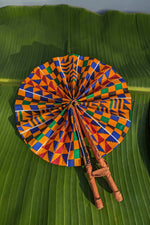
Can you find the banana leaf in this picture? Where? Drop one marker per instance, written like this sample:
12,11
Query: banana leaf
33,191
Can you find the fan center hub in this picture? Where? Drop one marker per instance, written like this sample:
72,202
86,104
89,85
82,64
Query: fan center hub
74,102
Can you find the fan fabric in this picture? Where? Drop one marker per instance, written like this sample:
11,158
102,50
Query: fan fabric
44,114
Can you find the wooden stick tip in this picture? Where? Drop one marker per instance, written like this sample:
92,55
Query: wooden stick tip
118,196
99,203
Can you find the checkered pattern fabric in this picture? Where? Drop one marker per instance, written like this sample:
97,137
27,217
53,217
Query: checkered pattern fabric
44,112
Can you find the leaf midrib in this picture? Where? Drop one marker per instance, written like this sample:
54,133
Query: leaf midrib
16,82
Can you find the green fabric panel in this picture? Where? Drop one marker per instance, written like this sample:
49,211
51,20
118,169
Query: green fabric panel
118,86
57,81
120,126
89,112
77,153
75,136
42,118
105,90
52,124
90,96
20,114
85,63
111,103
49,69
104,119
38,137
26,102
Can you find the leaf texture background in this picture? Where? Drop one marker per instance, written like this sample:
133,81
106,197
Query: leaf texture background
33,191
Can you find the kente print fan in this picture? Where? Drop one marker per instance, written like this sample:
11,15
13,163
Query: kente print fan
68,99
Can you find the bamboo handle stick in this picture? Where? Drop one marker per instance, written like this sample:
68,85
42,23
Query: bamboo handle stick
97,199
116,192
102,163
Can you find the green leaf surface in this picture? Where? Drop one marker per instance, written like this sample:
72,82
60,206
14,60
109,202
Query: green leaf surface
34,192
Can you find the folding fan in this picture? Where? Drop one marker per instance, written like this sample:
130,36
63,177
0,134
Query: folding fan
68,99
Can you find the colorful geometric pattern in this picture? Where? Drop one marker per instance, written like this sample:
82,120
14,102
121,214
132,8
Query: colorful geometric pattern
44,112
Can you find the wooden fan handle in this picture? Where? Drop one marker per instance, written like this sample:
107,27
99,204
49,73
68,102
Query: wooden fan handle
116,192
97,199
103,164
